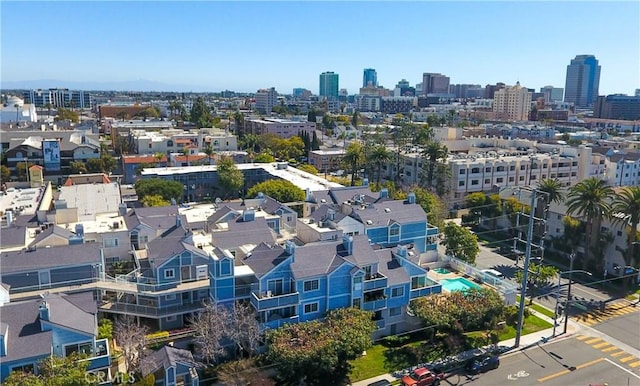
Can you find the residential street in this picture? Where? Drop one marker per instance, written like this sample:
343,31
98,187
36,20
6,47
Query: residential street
579,360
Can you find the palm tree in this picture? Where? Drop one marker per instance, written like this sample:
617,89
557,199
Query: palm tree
353,159
433,153
208,150
379,156
626,206
590,199
185,152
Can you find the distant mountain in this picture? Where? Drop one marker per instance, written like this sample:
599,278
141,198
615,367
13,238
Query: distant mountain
132,85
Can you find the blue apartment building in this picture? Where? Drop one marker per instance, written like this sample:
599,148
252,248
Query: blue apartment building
32,330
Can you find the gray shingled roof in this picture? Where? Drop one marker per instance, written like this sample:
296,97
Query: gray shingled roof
13,236
162,217
52,230
166,246
319,195
363,253
25,339
389,267
242,233
340,195
166,357
264,258
316,259
219,214
320,214
398,211
65,313
41,258
627,157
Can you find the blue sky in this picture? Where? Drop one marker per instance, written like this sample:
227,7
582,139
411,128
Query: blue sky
243,46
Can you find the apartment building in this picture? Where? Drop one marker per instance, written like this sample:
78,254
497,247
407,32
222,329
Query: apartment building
59,97
326,160
512,103
283,128
623,169
266,99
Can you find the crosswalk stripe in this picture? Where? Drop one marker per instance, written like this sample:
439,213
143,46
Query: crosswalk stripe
600,345
634,364
617,354
627,359
582,337
592,341
608,349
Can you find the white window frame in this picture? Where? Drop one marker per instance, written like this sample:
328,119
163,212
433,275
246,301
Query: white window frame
317,308
399,289
173,273
311,282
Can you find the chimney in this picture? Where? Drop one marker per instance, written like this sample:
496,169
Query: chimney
290,248
402,251
384,193
122,209
331,214
411,198
347,241
44,311
248,215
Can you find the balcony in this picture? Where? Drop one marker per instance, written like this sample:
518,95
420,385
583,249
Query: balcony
425,291
274,301
150,311
376,281
432,231
101,358
374,305
380,324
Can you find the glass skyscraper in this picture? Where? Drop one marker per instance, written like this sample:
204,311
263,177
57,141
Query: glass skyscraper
583,80
369,77
329,85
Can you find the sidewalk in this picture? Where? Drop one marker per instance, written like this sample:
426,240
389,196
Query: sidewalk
526,341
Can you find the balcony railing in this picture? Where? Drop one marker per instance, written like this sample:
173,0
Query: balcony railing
374,305
380,324
150,311
425,291
274,301
379,281
101,358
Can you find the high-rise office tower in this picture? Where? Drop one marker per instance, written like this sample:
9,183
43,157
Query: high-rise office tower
329,85
434,83
266,98
369,78
552,94
583,79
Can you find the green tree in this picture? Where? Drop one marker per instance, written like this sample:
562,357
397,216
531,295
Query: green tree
156,186
108,162
315,143
78,167
279,190
590,199
539,276
230,178
311,116
354,159
5,173
200,113
56,371
208,150
475,202
379,156
308,168
105,329
354,119
21,378
434,153
94,165
460,242
67,115
433,206
553,190
243,372
149,380
154,200
174,108
264,158
185,152
627,203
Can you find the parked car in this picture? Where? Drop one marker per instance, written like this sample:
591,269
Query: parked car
422,377
483,364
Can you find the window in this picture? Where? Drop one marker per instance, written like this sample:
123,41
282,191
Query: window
418,282
521,178
311,285
460,183
395,311
499,180
394,231
112,260
171,318
82,348
311,308
110,243
397,291
169,273
463,171
225,268
170,297
357,283
357,302
474,182
523,167
487,169
512,168
475,170
487,181
24,368
511,179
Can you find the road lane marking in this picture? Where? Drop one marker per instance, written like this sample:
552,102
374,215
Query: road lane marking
634,364
600,345
564,372
622,368
617,354
627,359
612,348
582,337
591,341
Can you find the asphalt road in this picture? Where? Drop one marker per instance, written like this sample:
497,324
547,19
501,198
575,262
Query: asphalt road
567,362
625,328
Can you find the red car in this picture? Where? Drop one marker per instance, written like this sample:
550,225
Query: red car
422,377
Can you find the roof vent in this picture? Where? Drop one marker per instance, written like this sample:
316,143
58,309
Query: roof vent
387,210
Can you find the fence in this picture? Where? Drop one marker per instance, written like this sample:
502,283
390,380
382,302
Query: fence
506,289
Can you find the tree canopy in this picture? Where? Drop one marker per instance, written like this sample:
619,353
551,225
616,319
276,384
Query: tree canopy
156,186
460,242
200,113
308,168
230,179
53,371
67,115
280,190
264,158
318,351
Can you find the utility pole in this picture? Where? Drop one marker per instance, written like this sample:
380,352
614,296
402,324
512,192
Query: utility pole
525,273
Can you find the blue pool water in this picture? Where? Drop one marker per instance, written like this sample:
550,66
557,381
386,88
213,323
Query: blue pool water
457,284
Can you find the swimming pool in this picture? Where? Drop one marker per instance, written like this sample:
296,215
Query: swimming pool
457,284
442,271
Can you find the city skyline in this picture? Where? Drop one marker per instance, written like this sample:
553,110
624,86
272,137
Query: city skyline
246,46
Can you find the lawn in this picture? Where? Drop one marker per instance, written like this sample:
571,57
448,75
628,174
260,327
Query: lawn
543,310
532,324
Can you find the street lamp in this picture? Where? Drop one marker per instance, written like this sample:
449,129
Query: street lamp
566,307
